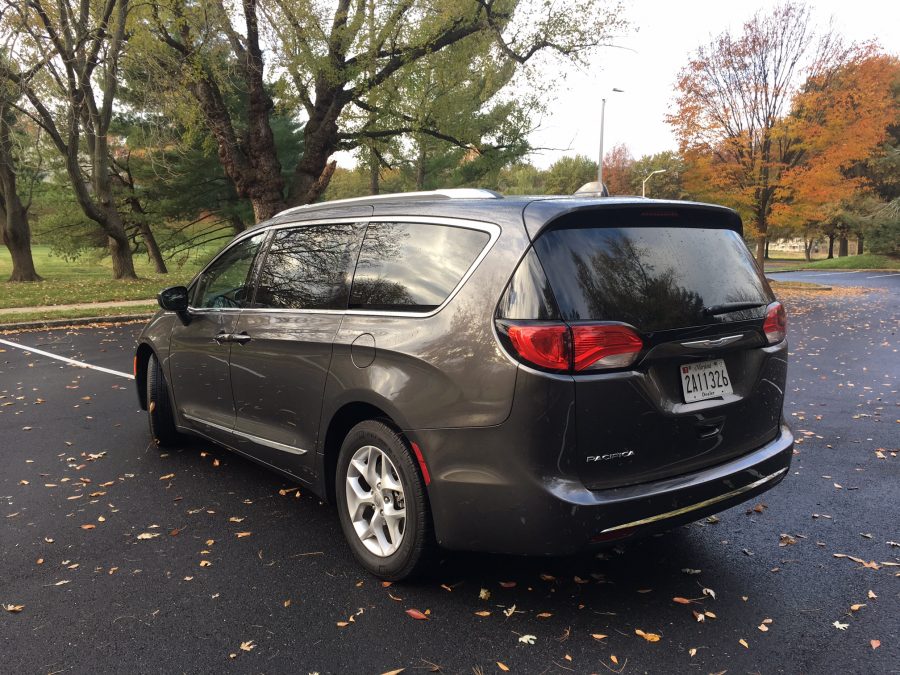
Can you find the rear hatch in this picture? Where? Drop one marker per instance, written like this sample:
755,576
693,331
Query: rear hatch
666,317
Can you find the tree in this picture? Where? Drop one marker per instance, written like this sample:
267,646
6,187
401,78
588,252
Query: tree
69,58
332,63
14,225
567,174
730,107
617,170
666,185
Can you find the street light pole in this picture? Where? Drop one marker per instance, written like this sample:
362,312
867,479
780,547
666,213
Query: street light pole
644,182
602,121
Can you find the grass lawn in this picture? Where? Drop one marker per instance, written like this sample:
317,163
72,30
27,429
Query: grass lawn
44,315
871,261
86,281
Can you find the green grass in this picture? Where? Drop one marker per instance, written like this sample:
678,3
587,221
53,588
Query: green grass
45,315
870,261
85,281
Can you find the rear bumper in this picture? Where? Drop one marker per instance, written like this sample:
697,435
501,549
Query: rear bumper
485,510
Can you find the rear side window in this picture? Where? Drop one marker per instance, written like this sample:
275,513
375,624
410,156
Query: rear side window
653,278
412,266
309,267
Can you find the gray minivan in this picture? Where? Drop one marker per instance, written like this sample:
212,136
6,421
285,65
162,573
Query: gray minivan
531,375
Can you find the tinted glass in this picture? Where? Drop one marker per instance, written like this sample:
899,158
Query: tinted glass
309,267
528,295
412,266
226,283
652,277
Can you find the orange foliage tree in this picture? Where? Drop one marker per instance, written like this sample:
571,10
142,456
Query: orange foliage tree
617,169
730,108
838,120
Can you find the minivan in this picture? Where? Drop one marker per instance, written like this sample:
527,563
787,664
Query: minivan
527,375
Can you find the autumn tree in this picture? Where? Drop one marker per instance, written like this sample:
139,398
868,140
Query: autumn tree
731,102
617,170
68,57
837,121
333,62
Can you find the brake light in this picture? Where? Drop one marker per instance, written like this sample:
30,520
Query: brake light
775,326
605,346
559,347
543,345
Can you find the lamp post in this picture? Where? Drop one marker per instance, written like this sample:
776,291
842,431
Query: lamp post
644,182
602,120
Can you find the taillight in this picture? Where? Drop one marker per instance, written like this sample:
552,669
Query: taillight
775,326
563,348
544,345
605,346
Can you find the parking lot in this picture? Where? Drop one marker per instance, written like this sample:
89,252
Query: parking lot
121,557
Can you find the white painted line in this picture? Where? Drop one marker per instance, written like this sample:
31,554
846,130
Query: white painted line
879,276
78,364
831,274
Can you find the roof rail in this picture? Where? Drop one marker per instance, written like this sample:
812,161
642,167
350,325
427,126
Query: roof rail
450,193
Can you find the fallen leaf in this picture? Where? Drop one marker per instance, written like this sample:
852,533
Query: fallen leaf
548,577
700,617
614,659
856,608
840,626
394,672
502,666
483,612
710,592
692,652
235,519
599,636
484,594
247,646
88,526
167,476
871,595
786,540
342,624
62,583
148,535
205,563
416,614
287,603
241,535
688,570
528,639
649,637
509,611
13,609
875,643
763,627
681,601
743,642
508,584
544,615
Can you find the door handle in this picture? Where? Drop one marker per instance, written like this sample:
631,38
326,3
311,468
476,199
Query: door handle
223,337
241,338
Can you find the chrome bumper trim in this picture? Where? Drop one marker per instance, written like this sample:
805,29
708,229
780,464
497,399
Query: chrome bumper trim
698,505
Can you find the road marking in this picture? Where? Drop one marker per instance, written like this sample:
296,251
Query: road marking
830,274
78,364
879,276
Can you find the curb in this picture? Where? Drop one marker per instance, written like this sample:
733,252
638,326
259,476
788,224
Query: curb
80,321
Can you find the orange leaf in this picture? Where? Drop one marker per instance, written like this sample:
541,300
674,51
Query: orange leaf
88,526
875,643
502,666
649,637
416,614
681,601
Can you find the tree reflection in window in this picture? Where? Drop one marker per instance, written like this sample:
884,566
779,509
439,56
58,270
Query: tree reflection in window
309,267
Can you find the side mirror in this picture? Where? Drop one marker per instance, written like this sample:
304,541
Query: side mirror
175,299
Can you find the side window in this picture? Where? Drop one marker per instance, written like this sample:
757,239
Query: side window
309,267
226,283
412,266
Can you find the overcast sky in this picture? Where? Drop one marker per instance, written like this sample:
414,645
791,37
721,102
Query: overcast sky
667,33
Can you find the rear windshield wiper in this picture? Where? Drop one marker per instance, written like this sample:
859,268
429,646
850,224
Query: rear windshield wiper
727,307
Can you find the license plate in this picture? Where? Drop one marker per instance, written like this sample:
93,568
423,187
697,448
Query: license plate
705,380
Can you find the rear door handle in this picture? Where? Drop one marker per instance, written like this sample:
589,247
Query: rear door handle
241,338
223,337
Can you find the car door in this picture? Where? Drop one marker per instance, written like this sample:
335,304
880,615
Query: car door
199,350
283,343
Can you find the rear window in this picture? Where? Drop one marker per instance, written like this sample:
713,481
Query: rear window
653,278
412,267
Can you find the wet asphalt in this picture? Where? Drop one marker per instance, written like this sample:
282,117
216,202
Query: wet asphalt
238,571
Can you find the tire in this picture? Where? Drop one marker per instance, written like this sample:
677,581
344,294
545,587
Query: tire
374,450
159,406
